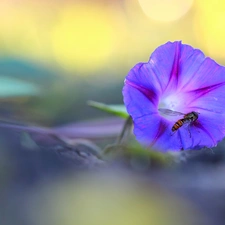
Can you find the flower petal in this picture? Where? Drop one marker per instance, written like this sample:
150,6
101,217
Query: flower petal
155,132
138,103
143,79
213,125
209,100
189,63
207,131
208,74
164,63
195,137
178,78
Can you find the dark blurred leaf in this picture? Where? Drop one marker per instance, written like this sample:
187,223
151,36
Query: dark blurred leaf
118,110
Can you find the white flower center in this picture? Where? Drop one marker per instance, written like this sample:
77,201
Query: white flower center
174,103
170,102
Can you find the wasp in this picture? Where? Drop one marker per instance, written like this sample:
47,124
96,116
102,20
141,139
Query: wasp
188,118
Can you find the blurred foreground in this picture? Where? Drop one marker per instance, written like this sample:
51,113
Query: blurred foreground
48,180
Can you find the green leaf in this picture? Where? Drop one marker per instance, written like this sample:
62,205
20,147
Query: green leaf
118,110
12,87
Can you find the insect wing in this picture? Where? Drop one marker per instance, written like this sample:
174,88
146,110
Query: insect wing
170,112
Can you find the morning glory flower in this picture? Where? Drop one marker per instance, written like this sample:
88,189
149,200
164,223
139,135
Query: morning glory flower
176,81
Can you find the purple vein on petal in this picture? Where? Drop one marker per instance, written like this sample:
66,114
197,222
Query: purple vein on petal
193,75
155,72
205,90
174,74
151,95
162,127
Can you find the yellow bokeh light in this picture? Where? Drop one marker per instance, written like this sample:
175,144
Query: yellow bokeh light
22,33
84,37
91,37
165,10
146,34
209,27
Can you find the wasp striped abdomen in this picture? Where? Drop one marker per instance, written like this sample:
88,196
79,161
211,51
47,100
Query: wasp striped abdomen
178,124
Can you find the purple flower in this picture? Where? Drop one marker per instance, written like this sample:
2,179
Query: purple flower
176,79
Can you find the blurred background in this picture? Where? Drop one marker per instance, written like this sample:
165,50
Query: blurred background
56,55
